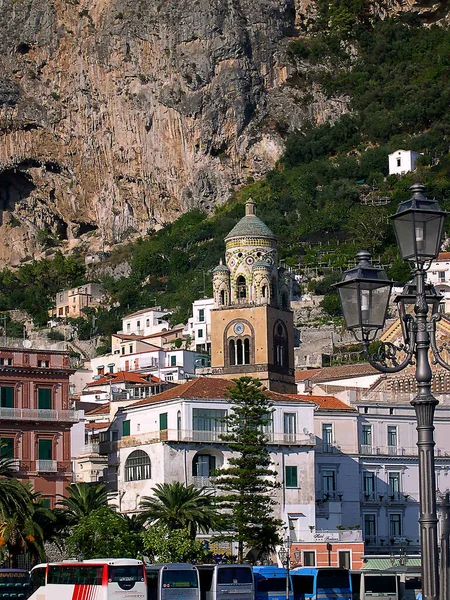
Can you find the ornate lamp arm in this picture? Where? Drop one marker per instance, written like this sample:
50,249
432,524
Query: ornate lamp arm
388,351
434,347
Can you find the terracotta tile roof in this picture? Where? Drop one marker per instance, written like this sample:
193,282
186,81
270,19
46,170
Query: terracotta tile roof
95,426
164,333
329,403
119,377
305,374
99,410
443,256
209,388
344,372
129,336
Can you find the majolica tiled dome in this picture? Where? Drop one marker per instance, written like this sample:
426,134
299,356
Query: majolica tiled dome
221,267
250,225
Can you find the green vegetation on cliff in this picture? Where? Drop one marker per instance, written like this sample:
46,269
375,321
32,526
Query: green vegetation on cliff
396,74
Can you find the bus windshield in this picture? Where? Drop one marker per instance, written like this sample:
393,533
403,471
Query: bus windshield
333,578
234,575
182,578
74,575
125,575
380,584
274,584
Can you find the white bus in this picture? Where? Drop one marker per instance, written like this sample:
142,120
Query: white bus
95,579
222,582
374,585
172,581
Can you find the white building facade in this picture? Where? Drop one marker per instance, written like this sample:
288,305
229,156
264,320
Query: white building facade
145,322
402,161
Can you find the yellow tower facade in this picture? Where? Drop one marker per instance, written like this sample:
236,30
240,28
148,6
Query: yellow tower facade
252,331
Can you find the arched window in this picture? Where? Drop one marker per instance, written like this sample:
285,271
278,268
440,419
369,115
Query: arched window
284,300
203,465
232,352
239,353
137,466
273,291
246,351
263,291
222,297
280,346
241,287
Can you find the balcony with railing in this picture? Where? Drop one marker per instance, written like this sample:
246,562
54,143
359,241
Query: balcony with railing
38,414
46,466
386,498
88,449
385,544
330,496
202,482
185,435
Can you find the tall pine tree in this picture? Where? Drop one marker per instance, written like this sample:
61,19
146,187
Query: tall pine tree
246,483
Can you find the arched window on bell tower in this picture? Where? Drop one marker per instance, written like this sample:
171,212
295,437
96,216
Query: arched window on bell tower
241,287
222,297
280,346
239,351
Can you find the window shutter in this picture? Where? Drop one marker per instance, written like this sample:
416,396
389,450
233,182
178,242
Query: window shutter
7,447
7,397
163,421
125,428
45,449
44,398
291,476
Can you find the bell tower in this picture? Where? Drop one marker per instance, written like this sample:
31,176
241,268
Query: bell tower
252,330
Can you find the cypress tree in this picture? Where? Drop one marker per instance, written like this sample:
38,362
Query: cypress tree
246,484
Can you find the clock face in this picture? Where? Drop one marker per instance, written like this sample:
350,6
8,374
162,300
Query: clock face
239,328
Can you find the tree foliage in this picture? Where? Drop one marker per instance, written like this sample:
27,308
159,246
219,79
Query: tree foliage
177,506
103,532
247,506
163,544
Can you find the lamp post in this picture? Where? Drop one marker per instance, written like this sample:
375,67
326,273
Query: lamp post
284,554
364,294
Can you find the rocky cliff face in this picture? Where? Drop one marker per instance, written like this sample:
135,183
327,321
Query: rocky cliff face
116,116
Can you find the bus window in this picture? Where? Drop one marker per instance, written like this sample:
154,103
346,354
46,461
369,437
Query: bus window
333,578
74,575
152,584
274,584
14,583
183,578
380,584
232,575
303,584
125,575
37,577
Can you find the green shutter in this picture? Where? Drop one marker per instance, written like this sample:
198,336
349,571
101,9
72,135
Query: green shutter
44,398
125,428
7,397
291,477
173,361
7,447
163,421
212,464
45,449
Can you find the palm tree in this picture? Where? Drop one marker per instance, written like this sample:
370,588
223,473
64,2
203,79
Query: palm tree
82,500
180,507
12,492
23,530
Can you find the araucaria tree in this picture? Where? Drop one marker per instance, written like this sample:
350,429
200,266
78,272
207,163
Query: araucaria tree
247,483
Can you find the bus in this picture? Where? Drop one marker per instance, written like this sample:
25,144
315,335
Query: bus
14,584
374,585
270,583
94,579
172,581
222,582
321,583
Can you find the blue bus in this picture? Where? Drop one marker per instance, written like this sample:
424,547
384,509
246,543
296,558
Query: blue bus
270,583
321,583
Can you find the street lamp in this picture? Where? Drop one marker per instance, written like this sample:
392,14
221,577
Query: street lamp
364,294
284,554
